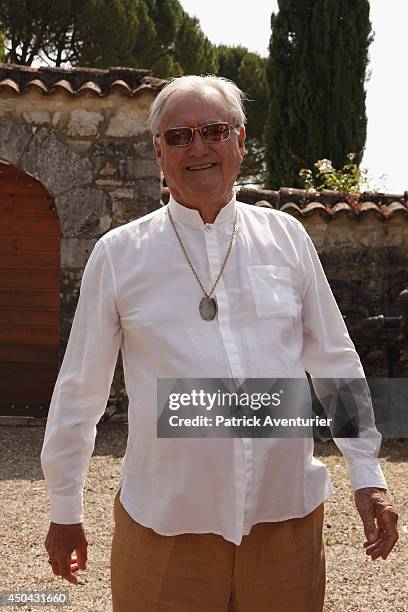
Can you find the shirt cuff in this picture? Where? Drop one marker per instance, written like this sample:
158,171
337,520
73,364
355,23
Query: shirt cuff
66,509
366,474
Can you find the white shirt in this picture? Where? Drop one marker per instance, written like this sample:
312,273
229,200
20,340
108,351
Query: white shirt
139,295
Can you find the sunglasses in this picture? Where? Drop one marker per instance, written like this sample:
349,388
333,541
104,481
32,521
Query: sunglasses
212,132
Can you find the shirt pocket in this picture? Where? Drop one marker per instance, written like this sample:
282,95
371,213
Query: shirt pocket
273,291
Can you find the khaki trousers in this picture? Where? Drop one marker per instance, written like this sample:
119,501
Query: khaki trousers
278,567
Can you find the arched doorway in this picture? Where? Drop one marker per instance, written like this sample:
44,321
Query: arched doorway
29,294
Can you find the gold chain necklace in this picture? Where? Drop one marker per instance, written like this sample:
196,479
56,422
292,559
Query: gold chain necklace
208,305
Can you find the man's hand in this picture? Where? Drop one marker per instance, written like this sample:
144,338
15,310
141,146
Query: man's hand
379,519
60,543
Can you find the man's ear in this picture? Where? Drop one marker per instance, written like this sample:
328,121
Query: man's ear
241,139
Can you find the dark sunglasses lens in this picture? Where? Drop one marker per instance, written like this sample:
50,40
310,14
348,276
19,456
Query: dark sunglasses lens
178,137
215,132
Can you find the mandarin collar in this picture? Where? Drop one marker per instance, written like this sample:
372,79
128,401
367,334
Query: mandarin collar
191,216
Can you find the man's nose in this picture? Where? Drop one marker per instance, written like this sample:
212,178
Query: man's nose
198,144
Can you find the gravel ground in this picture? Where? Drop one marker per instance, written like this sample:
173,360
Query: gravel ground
354,582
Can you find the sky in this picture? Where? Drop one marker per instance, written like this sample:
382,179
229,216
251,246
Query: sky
386,153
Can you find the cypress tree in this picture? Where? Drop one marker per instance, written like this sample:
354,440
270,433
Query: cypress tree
316,74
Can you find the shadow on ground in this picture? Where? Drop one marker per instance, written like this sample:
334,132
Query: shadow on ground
20,449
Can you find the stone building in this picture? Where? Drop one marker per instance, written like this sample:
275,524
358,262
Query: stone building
76,160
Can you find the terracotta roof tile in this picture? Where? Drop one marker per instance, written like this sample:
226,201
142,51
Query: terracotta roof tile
120,84
35,83
9,84
395,208
264,204
340,207
327,205
75,81
62,84
302,203
90,87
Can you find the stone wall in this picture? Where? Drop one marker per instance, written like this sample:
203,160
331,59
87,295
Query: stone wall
94,156
366,262
369,252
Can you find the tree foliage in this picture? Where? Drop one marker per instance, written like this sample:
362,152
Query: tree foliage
154,34
171,42
193,50
247,70
73,32
316,78
24,26
2,48
163,17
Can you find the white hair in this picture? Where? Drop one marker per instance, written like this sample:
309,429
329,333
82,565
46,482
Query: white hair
234,97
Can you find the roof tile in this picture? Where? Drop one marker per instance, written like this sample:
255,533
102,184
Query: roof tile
301,203
75,81
35,83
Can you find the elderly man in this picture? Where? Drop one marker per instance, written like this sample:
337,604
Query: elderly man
205,287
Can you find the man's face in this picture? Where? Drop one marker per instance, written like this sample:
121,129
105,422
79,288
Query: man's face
188,182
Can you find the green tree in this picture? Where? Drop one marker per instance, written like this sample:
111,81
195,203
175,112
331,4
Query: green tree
229,60
144,48
252,80
165,15
316,78
98,33
172,43
25,27
248,70
76,32
2,48
193,51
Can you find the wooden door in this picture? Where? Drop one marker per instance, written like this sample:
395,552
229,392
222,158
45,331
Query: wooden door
29,294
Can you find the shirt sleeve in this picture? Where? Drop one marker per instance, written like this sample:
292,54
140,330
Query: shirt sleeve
329,353
82,389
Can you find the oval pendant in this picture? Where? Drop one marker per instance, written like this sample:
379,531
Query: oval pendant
208,308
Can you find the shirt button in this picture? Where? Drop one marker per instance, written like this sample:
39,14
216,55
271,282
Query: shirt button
208,228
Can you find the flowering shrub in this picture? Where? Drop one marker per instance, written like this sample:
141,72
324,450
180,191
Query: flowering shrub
350,179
